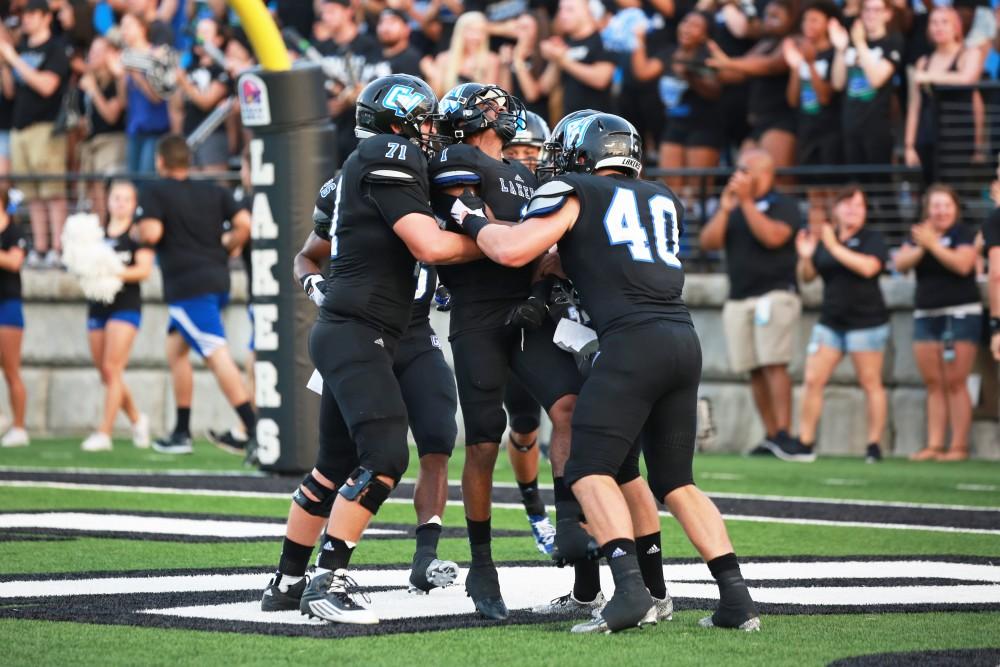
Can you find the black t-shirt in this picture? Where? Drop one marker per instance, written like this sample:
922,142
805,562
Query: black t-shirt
29,106
6,112
482,292
192,259
346,64
851,301
939,287
10,281
578,95
864,106
680,101
498,11
815,119
128,297
406,61
991,232
202,76
621,253
373,276
95,120
754,269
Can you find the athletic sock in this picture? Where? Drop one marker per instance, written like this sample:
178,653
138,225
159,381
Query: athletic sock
294,558
725,566
335,554
622,561
248,417
650,557
428,535
480,536
531,498
183,424
735,604
586,580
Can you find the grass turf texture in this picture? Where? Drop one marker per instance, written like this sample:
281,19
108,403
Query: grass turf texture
787,640
798,640
830,477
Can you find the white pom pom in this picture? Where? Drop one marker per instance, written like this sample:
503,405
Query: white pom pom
87,255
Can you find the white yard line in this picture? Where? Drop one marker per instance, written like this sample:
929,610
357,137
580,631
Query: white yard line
458,503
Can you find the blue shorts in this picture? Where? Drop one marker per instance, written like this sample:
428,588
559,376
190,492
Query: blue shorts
250,345
97,323
11,313
845,341
5,143
199,321
967,328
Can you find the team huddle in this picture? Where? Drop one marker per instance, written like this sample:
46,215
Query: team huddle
559,268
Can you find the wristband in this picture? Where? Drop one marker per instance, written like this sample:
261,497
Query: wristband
309,281
994,325
473,224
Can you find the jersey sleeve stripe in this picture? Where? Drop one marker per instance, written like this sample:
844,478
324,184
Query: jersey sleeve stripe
542,206
392,173
456,176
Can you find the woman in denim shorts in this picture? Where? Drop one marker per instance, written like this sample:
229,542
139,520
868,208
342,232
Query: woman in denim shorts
853,318
947,322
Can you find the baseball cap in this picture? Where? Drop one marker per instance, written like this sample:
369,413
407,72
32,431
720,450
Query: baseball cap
37,6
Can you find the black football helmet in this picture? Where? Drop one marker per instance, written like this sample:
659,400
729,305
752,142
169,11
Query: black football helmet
534,133
550,160
600,141
463,112
400,99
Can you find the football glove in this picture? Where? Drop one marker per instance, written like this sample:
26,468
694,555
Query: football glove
313,284
527,315
442,299
469,212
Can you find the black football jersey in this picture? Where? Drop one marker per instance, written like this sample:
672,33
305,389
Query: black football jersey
621,253
482,291
373,276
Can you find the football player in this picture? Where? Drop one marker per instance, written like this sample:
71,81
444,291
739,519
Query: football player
380,229
618,238
495,332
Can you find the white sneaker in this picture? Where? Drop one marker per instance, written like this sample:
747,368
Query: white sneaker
15,437
53,260
140,432
97,442
35,260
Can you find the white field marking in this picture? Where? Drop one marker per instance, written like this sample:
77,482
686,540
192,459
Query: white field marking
837,481
561,579
724,476
976,487
154,525
499,506
135,471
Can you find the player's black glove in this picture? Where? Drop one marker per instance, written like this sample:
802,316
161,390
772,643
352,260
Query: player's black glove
314,285
469,212
527,315
561,302
442,299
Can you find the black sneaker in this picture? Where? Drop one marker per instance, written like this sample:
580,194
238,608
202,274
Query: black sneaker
276,599
874,454
428,572
228,441
790,449
175,443
482,584
762,448
329,596
629,607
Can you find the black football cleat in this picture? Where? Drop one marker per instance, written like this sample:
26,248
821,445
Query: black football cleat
228,441
330,596
630,607
429,572
482,584
736,610
175,443
573,544
276,599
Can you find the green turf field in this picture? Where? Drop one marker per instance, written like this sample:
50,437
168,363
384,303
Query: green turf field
787,638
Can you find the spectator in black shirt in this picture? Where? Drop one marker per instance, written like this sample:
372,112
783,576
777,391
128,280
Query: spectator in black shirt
12,249
947,322
39,69
991,251
103,150
393,33
185,220
853,318
522,66
112,327
201,88
578,60
756,226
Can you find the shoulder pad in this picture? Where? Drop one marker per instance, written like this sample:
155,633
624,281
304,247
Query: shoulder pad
549,198
456,165
391,158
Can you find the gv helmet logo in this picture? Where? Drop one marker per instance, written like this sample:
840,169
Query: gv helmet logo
403,100
575,130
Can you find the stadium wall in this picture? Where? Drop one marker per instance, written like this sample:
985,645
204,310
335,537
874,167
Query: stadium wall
64,391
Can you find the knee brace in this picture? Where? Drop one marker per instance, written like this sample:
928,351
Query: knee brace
325,497
367,490
524,449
